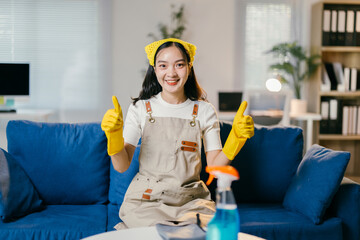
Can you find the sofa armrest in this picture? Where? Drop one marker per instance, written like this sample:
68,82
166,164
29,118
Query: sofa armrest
346,205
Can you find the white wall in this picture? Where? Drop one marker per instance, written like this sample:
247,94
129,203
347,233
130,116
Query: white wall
210,26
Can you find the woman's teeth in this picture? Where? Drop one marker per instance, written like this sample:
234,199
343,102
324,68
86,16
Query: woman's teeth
171,82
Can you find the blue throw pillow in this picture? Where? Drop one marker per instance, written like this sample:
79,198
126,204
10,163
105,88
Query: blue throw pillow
67,163
266,164
18,196
317,179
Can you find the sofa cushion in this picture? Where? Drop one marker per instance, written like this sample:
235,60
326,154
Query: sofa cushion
18,196
316,181
266,163
67,163
345,203
113,216
273,221
119,182
58,222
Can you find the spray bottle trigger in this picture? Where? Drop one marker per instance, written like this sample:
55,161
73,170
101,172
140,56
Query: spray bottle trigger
211,178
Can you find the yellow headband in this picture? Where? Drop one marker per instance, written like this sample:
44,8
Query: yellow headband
153,47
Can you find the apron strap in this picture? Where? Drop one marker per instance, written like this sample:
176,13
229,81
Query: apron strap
149,111
195,113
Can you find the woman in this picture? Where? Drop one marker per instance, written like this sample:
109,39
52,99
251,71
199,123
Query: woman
171,118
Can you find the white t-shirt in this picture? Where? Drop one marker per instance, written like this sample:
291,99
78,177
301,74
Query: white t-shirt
209,124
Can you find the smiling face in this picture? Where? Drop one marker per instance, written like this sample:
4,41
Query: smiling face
172,71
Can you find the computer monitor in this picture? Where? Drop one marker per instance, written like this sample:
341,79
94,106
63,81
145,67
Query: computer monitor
14,83
268,108
229,101
14,79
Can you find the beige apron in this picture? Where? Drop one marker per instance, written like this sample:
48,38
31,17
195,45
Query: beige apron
168,188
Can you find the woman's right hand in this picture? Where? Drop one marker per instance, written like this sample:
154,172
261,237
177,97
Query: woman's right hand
112,125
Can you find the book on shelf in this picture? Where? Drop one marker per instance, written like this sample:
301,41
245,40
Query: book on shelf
354,83
351,119
341,25
345,120
347,78
353,79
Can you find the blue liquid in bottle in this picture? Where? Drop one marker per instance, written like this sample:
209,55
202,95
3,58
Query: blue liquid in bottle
225,225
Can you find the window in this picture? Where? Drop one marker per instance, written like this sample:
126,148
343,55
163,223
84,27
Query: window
63,43
260,25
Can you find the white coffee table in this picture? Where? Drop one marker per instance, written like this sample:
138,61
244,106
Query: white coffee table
148,233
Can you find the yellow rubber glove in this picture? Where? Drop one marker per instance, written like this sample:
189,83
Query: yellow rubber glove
112,125
242,129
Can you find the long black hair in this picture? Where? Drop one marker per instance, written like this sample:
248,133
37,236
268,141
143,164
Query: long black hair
151,86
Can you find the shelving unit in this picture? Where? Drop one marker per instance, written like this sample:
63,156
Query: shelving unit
349,56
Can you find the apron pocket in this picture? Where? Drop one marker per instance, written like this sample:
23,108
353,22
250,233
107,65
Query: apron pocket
179,196
158,155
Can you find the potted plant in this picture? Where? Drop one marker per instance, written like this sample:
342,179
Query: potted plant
294,66
176,27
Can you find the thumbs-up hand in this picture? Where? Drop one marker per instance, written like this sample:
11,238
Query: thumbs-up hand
112,125
243,125
242,129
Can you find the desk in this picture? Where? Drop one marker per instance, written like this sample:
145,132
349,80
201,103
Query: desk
28,114
21,114
308,117
149,233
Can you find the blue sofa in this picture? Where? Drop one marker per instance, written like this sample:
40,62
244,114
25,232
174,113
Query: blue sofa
57,182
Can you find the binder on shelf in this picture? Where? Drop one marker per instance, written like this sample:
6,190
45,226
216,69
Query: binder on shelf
350,26
333,28
341,25
335,116
331,73
340,35
325,80
357,28
326,27
339,74
324,111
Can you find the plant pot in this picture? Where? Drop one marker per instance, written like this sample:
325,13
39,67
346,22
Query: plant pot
298,106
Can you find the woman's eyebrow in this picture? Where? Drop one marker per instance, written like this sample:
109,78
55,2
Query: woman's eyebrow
163,61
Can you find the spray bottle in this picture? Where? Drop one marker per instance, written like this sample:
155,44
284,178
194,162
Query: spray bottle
226,222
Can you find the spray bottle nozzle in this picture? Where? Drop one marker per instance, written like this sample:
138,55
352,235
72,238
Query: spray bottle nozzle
225,173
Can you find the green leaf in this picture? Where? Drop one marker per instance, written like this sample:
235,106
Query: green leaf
286,67
298,58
